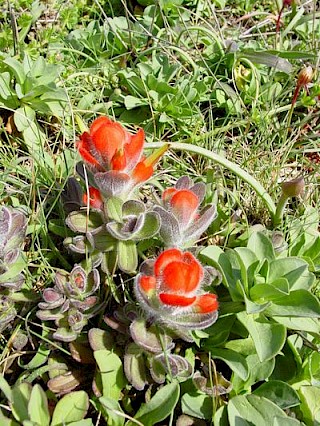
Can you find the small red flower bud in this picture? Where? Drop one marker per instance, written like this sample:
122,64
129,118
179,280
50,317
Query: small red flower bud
95,198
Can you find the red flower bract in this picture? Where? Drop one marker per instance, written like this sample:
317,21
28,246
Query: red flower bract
108,146
114,156
95,199
174,288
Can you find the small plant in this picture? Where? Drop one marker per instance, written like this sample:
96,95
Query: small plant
71,302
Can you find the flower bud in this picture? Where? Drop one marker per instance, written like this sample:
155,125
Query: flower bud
293,188
305,76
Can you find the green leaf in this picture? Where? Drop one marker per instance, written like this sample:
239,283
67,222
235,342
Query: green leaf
17,69
72,407
261,293
310,325
261,246
255,410
299,303
258,371
249,263
38,406
5,388
111,371
268,338
127,256
279,392
265,58
219,332
294,269
5,86
131,102
20,400
14,269
113,208
235,361
310,407
112,411
197,405
23,117
5,421
221,417
80,221
160,406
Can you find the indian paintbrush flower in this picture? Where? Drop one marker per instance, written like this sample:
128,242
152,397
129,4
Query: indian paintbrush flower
181,222
170,290
115,157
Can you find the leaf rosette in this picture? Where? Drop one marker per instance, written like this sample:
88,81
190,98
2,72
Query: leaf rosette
71,302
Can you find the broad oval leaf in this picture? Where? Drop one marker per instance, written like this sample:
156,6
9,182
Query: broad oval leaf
71,408
268,337
160,406
38,406
279,392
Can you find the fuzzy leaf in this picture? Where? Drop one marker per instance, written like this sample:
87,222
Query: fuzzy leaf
112,183
80,221
133,207
150,227
134,366
170,230
127,256
150,339
100,339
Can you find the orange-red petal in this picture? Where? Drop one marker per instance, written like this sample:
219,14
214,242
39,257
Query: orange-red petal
99,122
184,204
95,198
141,172
182,277
108,137
168,193
165,258
207,303
176,300
118,161
134,147
147,283
83,149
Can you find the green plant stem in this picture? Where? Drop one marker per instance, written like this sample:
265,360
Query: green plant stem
280,209
234,168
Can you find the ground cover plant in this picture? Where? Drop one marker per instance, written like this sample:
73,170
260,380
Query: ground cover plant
159,220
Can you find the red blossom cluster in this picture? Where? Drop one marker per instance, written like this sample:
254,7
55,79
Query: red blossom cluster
169,288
